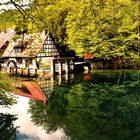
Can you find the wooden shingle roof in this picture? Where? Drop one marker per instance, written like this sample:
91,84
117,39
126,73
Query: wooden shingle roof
31,45
6,36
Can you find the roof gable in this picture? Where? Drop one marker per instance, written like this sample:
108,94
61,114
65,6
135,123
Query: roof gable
49,48
31,45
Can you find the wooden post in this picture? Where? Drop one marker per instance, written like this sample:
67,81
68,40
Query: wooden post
60,68
21,71
53,67
72,76
72,65
10,70
66,77
67,66
34,63
28,73
59,79
51,83
0,67
15,71
35,72
23,63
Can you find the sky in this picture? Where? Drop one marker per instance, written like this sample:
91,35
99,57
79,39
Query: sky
27,128
10,6
7,6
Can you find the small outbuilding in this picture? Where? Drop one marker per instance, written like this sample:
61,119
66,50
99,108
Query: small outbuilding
88,57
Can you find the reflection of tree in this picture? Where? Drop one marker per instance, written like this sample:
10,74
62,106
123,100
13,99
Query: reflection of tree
7,130
38,109
96,109
6,98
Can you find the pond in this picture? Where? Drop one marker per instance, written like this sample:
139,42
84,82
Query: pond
100,105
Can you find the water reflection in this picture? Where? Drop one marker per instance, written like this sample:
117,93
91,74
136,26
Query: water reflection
7,129
32,89
27,130
104,106
40,88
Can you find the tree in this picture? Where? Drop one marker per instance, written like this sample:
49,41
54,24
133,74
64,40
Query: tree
107,28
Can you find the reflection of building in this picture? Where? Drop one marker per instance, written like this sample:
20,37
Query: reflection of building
47,84
31,90
87,77
41,88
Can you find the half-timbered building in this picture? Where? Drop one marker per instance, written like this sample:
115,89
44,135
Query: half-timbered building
34,50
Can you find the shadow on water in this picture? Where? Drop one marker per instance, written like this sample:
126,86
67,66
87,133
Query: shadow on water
104,106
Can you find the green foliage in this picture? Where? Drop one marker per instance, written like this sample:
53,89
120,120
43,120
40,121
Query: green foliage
106,107
7,129
5,82
7,19
8,132
6,87
108,28
44,66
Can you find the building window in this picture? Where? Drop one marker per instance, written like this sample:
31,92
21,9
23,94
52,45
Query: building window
19,61
17,50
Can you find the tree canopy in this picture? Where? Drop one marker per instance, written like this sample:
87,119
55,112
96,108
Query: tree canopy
109,29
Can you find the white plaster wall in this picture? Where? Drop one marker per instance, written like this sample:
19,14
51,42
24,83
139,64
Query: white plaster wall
46,60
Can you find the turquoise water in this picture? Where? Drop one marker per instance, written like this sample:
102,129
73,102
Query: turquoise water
101,105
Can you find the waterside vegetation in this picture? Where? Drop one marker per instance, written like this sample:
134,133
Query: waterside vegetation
7,129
